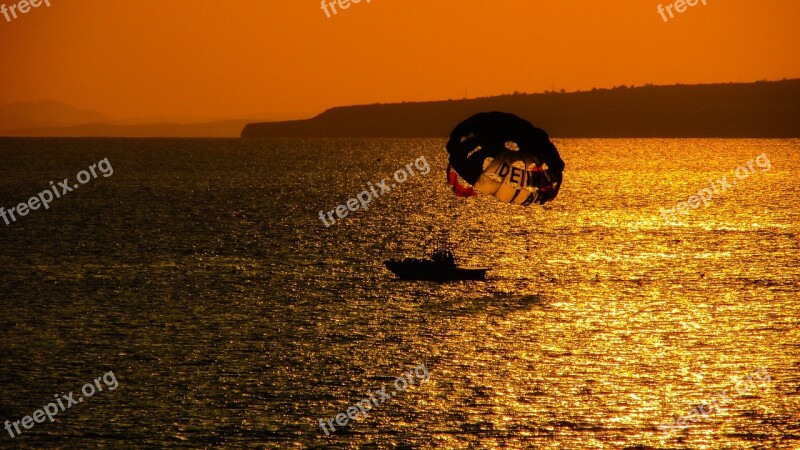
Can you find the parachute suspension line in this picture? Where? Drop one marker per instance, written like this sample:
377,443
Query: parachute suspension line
524,165
453,233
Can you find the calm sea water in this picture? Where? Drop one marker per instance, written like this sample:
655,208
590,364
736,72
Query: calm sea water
202,276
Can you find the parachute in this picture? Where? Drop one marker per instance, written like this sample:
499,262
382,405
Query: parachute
502,155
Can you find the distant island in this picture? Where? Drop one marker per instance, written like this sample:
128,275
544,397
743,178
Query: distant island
764,109
57,119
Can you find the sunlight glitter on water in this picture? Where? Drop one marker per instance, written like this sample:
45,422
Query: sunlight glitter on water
234,317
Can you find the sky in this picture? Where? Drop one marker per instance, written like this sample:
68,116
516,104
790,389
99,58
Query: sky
203,59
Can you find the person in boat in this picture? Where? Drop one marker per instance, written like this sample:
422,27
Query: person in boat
445,257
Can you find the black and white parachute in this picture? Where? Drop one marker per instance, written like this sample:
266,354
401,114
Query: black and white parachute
502,155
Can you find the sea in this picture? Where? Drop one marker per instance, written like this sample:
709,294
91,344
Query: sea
197,279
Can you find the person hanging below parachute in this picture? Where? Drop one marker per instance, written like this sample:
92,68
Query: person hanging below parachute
502,155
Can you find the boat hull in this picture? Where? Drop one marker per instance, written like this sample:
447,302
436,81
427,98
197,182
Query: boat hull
431,271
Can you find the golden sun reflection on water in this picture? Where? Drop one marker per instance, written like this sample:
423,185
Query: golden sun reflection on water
234,318
601,323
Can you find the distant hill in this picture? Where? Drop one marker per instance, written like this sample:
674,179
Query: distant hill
765,109
56,119
225,128
44,114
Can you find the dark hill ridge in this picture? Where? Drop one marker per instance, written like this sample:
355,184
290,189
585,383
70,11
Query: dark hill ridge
765,109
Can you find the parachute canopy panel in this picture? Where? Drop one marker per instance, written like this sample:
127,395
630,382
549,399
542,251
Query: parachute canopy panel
502,155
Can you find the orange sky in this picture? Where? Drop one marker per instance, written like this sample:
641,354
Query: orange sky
224,59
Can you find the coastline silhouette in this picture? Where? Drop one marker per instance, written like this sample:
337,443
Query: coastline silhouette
765,109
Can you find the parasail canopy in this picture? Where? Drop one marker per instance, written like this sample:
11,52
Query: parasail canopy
502,155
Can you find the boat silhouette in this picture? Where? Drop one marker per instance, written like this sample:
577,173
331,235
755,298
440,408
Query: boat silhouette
441,266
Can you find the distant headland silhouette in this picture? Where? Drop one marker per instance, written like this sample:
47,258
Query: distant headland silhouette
764,109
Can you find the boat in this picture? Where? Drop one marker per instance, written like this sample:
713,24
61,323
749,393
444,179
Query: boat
441,266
